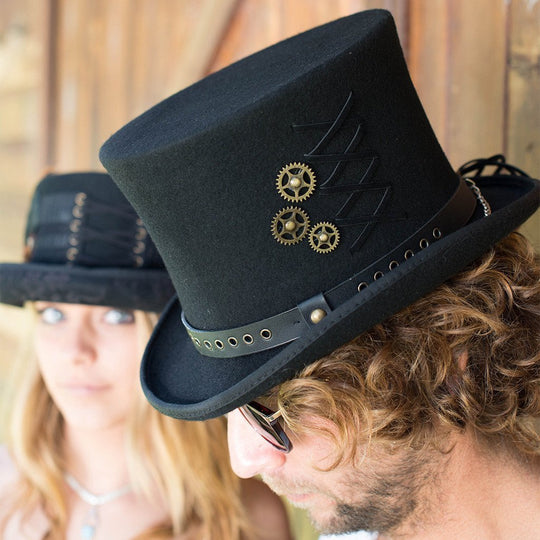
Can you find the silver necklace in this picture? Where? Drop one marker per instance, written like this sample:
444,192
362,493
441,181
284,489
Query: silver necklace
89,526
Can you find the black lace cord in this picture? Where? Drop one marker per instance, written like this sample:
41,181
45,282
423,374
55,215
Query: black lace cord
123,240
476,167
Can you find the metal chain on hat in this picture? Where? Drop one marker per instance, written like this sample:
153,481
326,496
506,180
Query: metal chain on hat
479,196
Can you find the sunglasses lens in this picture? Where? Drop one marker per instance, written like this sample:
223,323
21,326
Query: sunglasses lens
272,432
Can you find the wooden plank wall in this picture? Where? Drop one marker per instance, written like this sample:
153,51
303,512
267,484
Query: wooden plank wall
22,56
476,65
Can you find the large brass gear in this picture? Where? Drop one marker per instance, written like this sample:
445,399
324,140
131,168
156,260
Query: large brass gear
290,225
324,237
296,182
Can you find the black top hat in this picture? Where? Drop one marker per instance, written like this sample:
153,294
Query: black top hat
298,197
86,245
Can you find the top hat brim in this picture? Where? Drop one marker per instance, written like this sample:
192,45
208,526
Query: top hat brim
147,289
180,382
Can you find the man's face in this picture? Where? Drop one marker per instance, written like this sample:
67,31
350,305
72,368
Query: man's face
378,493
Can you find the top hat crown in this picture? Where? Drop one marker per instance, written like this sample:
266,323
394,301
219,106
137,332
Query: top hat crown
297,197
84,243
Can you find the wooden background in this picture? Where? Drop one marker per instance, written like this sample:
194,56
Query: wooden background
74,71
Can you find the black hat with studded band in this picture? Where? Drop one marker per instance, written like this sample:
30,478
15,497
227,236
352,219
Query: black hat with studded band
297,197
85,244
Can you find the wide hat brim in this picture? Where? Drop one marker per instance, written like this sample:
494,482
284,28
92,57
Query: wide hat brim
180,382
127,288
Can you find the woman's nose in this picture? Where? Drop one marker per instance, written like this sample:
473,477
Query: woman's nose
249,453
81,343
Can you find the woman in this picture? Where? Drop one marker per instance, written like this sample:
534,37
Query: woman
87,457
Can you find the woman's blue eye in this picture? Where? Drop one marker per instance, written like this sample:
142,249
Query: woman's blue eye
119,316
51,315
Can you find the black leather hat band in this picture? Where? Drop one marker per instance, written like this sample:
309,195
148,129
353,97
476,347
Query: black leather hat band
290,325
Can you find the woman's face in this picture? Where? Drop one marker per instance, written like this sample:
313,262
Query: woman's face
89,360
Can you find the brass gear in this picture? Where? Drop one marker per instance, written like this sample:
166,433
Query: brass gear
290,225
296,182
324,237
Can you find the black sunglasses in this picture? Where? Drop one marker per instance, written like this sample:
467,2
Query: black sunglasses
266,423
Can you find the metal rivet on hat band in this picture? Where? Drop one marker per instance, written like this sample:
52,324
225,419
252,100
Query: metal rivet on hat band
289,325
317,315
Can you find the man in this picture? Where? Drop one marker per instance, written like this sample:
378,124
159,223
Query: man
362,313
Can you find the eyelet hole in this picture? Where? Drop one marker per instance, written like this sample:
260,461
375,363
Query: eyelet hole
208,345
392,265
248,339
362,286
139,247
75,225
408,254
197,341
219,344
266,334
423,243
377,275
437,233
233,342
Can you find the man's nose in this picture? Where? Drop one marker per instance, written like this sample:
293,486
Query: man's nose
249,453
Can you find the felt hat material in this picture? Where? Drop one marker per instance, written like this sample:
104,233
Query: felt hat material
297,197
84,244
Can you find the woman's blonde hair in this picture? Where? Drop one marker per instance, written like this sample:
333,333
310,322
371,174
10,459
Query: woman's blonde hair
185,464
466,356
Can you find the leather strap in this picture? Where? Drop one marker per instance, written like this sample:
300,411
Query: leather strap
290,325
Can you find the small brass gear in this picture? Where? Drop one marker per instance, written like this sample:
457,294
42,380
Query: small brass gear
324,237
296,182
290,225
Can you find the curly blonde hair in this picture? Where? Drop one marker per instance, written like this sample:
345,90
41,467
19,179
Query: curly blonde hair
466,356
